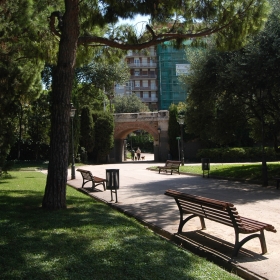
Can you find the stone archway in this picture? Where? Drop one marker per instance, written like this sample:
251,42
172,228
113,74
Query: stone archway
147,121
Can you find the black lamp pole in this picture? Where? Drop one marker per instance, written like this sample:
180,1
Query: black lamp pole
264,166
159,131
72,115
181,123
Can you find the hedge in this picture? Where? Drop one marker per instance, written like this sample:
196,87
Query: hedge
238,154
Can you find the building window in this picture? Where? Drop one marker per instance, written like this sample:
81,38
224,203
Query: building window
137,61
137,83
145,72
145,94
144,61
145,83
129,85
136,72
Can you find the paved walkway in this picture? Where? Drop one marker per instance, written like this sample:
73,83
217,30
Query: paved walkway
141,194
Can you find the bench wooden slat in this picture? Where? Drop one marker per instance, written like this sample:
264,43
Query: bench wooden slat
208,212
195,199
221,212
256,224
88,177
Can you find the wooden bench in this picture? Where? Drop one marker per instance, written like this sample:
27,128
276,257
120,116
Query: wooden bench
171,165
88,177
221,212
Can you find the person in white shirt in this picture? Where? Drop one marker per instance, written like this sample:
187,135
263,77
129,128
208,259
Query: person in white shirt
138,152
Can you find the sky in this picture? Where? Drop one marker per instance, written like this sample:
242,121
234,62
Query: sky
139,22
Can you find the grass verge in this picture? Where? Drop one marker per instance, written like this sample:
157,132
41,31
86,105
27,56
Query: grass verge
88,240
238,171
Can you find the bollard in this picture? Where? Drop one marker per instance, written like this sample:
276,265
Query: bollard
205,165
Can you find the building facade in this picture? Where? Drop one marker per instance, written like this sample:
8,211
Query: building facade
154,76
143,77
171,63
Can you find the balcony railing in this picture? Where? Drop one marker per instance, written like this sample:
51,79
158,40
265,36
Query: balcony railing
142,65
150,88
150,76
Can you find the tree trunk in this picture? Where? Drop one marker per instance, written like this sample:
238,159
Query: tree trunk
55,191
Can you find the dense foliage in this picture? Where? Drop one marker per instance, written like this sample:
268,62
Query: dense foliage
129,104
140,139
244,154
235,97
87,139
26,43
104,132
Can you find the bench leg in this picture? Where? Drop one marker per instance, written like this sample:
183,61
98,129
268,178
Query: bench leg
93,185
202,222
263,243
183,222
84,182
238,244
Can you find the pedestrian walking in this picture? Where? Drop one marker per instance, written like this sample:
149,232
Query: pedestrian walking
138,152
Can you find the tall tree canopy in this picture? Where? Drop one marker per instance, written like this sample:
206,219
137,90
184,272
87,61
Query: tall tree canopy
25,43
236,93
79,25
99,79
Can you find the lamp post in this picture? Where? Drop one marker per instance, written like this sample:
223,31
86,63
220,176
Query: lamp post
159,131
264,166
181,120
178,138
72,115
125,149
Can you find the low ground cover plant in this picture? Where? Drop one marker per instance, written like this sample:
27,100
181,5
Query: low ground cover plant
88,240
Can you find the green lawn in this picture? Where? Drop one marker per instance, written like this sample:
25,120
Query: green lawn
240,171
88,240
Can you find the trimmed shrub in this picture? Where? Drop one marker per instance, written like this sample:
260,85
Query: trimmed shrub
238,154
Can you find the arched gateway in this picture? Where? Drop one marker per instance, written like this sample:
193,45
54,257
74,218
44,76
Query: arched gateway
152,122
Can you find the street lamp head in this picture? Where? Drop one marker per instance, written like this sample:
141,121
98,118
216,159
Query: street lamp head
72,111
181,119
159,130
